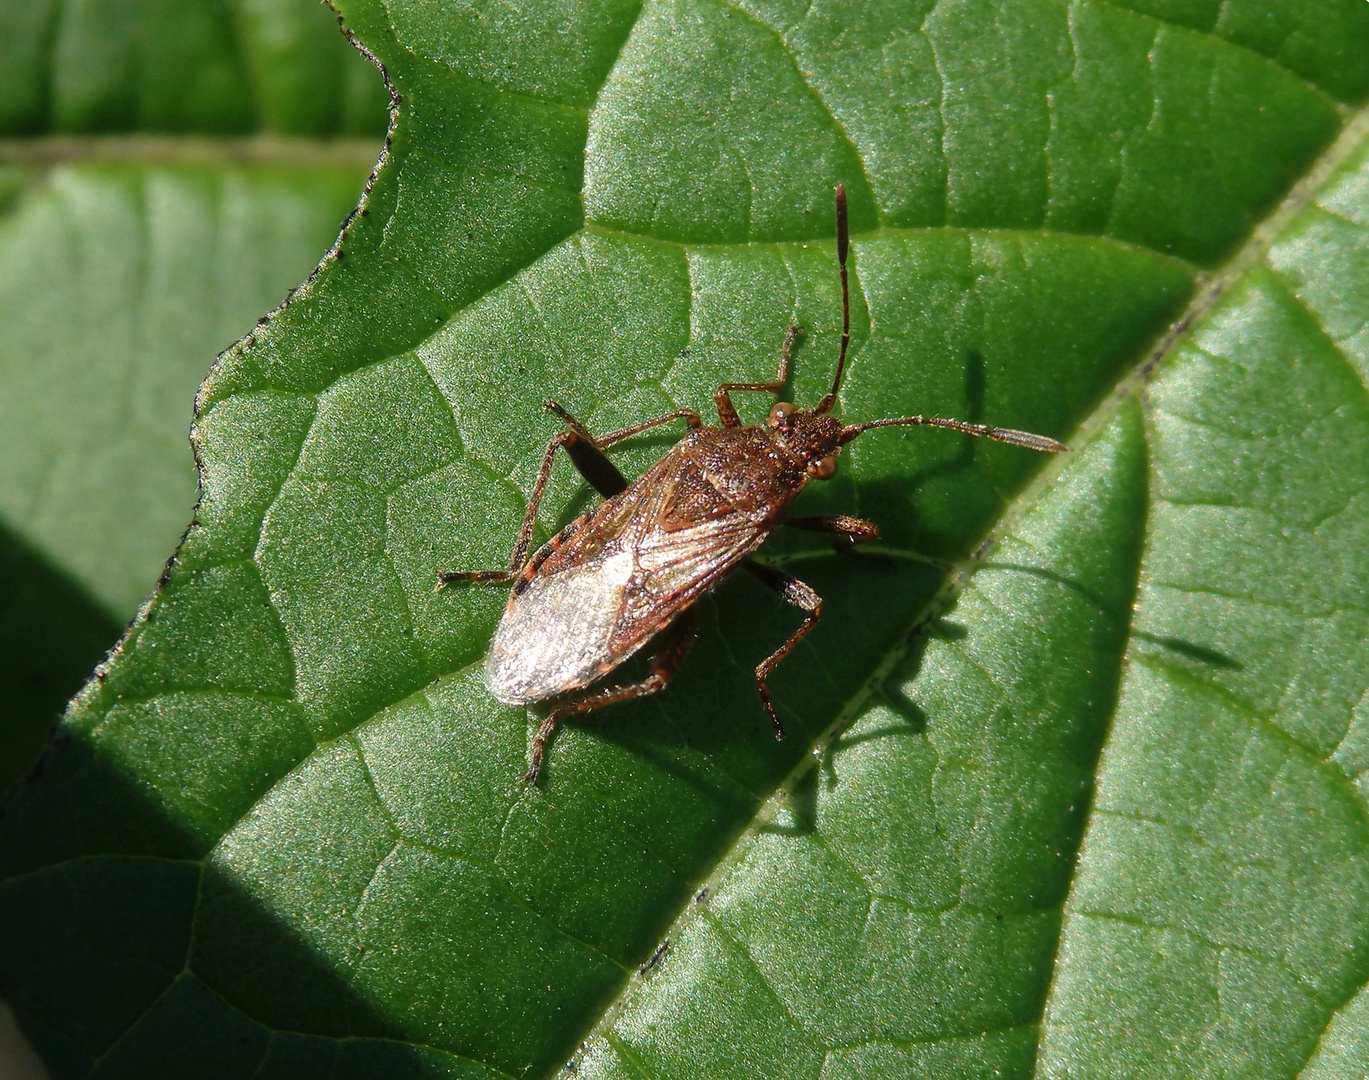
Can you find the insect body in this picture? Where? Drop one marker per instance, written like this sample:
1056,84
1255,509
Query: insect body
630,570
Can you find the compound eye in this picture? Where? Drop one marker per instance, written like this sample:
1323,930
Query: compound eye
825,468
780,414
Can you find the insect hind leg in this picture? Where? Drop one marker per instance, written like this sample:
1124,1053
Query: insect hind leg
586,451
475,577
691,418
664,665
801,596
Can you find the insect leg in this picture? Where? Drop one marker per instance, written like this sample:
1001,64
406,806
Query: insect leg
727,413
664,664
580,446
585,453
476,577
692,420
854,529
801,596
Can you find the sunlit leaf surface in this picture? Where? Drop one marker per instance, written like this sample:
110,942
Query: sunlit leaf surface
1080,802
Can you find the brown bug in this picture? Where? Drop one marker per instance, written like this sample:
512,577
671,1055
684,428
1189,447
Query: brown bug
630,570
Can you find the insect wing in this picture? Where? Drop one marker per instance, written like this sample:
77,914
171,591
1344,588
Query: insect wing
555,633
678,565
692,537
612,581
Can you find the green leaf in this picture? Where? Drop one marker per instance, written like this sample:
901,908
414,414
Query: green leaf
1078,801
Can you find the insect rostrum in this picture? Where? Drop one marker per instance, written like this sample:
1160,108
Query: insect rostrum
631,570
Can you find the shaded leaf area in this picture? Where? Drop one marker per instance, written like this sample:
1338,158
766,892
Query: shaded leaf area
294,753
117,285
898,910
206,66
51,635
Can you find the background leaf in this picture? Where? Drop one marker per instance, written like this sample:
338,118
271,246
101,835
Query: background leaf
282,833
125,262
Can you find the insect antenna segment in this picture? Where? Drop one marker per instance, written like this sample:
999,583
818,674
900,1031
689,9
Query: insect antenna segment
1025,439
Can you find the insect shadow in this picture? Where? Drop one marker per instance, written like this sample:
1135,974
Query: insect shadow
801,799
1201,653
707,732
964,458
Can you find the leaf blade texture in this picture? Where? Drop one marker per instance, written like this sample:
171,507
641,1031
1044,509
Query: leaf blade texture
1096,816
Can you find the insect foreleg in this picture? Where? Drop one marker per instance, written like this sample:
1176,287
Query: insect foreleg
801,596
854,529
727,413
664,664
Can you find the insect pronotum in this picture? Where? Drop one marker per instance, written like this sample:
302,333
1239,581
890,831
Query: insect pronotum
631,569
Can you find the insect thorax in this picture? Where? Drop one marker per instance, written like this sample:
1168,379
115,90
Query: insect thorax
750,467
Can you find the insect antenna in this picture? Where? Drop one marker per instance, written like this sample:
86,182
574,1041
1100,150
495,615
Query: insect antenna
843,243
1011,436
